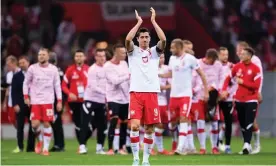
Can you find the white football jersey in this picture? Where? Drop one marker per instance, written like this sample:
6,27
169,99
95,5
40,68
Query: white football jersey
162,96
144,66
182,68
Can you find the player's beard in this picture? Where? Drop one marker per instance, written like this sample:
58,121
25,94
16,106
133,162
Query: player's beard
42,62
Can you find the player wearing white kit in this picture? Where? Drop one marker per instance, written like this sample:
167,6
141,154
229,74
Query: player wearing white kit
181,66
144,85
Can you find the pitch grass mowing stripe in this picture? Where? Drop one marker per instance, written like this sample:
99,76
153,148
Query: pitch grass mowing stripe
70,157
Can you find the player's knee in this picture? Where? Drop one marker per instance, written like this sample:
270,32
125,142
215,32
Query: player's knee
184,119
149,129
35,124
46,124
135,124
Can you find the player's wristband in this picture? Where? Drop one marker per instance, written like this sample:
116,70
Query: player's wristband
26,96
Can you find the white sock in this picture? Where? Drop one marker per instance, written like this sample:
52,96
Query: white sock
99,147
182,138
142,133
128,138
134,139
256,135
214,134
148,145
47,135
221,133
190,137
201,133
158,139
116,139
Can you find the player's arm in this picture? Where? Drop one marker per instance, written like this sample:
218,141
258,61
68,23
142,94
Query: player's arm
204,82
255,84
65,82
14,91
161,35
57,86
26,84
115,79
129,43
226,82
166,75
167,86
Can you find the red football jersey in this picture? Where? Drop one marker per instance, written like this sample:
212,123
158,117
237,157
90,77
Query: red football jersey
75,81
251,76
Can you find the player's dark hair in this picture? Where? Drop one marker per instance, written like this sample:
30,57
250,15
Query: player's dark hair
178,43
118,45
142,30
24,57
249,50
222,49
44,49
100,50
212,53
79,51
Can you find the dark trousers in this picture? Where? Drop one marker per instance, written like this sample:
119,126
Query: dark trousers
246,116
58,131
227,110
76,108
212,104
20,119
94,113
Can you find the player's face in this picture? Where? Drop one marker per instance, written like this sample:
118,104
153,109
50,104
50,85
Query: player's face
188,47
10,65
239,49
100,57
245,56
223,56
43,56
162,59
24,64
121,53
79,58
175,50
144,39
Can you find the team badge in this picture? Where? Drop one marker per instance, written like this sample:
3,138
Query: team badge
145,59
155,112
132,112
249,72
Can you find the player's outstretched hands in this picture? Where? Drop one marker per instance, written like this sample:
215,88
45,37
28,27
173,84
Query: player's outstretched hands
59,106
139,18
153,14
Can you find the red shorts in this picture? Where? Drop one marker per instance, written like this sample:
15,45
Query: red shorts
198,110
42,112
179,106
164,114
11,115
144,106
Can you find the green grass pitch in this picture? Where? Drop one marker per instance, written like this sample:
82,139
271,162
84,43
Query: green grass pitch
70,157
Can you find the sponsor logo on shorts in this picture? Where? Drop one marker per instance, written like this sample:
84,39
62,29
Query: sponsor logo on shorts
132,112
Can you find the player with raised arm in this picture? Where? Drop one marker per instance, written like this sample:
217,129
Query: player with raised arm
42,82
181,66
144,84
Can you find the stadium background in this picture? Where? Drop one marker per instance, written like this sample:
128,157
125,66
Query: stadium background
65,25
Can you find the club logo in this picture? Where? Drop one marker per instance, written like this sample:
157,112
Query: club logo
155,112
145,59
132,112
249,72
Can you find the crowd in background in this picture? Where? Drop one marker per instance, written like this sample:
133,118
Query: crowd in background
229,21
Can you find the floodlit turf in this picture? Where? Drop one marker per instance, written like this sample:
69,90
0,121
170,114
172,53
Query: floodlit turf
70,157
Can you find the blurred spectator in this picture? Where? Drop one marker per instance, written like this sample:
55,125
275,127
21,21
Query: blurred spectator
6,24
89,50
66,30
15,46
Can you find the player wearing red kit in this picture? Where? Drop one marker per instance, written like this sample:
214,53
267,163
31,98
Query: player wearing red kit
248,77
73,85
144,85
41,84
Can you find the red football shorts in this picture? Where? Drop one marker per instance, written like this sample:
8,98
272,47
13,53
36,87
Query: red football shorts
144,106
179,106
164,114
11,115
198,110
42,112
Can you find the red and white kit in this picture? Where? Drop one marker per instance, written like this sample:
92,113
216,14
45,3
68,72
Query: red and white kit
144,85
42,83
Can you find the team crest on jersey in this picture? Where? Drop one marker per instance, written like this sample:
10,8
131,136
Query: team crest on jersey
75,76
155,112
145,59
249,72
